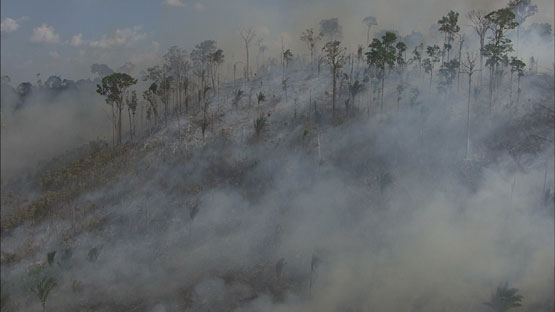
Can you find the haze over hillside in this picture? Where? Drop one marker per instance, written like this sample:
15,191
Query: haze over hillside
277,156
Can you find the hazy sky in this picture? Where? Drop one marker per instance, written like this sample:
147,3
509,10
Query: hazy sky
65,37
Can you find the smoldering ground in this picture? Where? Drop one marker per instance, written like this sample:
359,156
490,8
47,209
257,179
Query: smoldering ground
369,215
385,211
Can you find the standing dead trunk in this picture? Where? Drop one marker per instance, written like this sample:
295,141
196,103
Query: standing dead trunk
333,92
130,124
518,90
120,108
468,116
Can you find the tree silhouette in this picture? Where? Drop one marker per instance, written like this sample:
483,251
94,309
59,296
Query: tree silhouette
311,40
247,36
499,45
335,57
522,9
504,298
448,25
382,53
114,87
331,29
369,21
481,25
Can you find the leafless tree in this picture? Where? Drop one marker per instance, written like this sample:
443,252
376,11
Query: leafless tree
469,68
248,35
480,24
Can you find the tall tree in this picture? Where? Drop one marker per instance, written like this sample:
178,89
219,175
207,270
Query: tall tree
216,59
499,45
131,103
150,95
247,36
417,55
335,57
202,56
469,67
481,25
448,26
177,66
115,87
311,40
382,53
522,9
369,21
434,54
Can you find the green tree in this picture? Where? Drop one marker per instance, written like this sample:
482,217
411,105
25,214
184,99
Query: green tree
335,57
382,53
115,87
448,25
499,45
43,289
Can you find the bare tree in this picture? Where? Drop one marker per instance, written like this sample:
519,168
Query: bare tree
480,24
247,35
469,68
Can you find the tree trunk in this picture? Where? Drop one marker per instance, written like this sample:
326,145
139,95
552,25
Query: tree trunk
518,91
468,116
120,108
333,93
491,80
481,58
247,71
113,125
311,60
511,92
130,124
383,86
